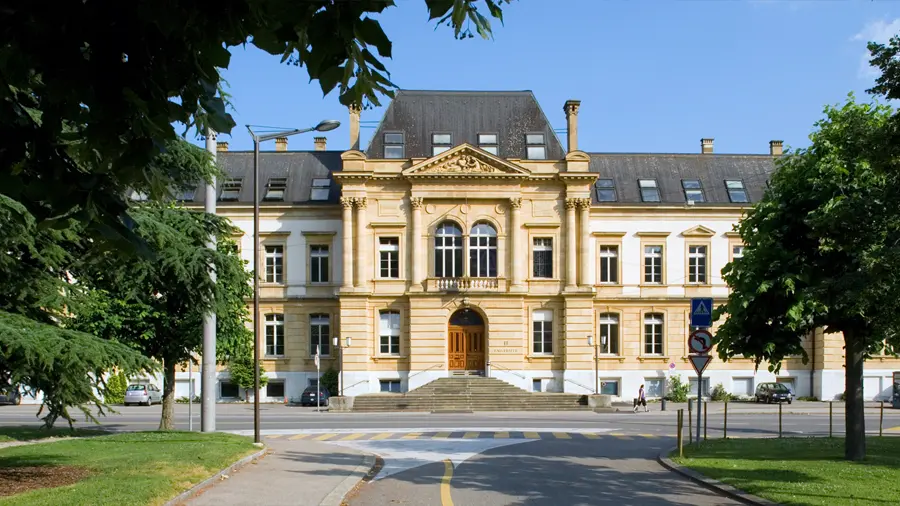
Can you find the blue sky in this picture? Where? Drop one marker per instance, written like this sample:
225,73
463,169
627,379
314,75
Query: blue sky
652,76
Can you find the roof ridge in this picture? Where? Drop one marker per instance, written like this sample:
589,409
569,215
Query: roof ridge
464,92
704,155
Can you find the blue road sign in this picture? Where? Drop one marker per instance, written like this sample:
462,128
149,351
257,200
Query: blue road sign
701,312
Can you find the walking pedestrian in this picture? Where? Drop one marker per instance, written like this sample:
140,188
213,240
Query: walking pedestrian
641,400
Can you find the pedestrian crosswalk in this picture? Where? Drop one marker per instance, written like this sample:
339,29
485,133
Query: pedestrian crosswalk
376,436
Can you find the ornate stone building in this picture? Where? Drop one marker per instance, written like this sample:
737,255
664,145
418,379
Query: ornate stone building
465,238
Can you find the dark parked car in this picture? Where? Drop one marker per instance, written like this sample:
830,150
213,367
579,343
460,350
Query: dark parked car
308,398
10,395
773,392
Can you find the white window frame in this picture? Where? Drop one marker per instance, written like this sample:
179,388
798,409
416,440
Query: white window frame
448,242
532,147
483,240
274,267
737,251
654,260
315,263
275,332
541,328
389,257
316,323
655,336
697,273
610,325
609,254
389,332
541,244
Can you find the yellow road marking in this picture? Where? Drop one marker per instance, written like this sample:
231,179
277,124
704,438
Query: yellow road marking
893,429
561,435
299,436
351,437
412,435
616,434
651,436
470,435
591,436
383,435
324,437
273,436
441,435
446,500
532,435
501,435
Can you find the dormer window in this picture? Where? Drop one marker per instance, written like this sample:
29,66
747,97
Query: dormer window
535,147
440,143
231,189
736,191
321,186
186,194
693,190
488,142
393,145
649,190
275,189
606,190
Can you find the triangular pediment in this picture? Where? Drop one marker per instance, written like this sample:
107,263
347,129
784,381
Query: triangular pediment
465,160
699,231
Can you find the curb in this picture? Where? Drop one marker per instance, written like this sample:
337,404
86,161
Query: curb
351,482
714,485
212,480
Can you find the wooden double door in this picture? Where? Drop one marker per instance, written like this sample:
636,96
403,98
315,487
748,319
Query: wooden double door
466,348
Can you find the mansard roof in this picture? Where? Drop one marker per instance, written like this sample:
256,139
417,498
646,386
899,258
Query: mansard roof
464,114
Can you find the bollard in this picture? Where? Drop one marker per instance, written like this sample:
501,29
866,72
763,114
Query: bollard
690,423
779,419
662,404
680,437
705,413
881,421
725,426
830,418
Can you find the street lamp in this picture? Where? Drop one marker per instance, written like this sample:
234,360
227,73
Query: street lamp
337,344
591,342
258,137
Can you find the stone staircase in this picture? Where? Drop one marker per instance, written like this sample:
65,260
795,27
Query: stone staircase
470,393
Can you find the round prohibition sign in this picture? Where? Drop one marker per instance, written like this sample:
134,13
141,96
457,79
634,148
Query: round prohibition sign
700,341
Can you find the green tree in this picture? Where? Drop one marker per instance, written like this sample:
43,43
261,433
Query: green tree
156,303
82,118
115,388
241,371
821,250
330,380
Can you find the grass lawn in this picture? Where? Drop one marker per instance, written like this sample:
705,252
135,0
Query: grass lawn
29,433
807,471
124,469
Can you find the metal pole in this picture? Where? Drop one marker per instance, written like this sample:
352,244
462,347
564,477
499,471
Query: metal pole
680,429
690,422
318,381
256,437
725,427
705,418
596,371
190,395
881,421
341,351
699,403
830,418
208,352
779,419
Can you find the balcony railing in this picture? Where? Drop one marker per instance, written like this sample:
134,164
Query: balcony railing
466,284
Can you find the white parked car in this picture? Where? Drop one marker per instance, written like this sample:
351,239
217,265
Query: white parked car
142,393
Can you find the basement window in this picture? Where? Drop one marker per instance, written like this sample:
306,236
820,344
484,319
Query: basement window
392,386
231,189
606,190
321,186
275,188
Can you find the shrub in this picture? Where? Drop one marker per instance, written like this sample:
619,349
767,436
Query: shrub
808,398
720,394
330,381
843,397
184,400
241,371
115,388
678,390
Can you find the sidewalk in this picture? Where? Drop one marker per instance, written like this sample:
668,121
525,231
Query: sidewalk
752,408
296,473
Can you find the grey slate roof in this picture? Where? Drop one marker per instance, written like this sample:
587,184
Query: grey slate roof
465,114
669,169
299,167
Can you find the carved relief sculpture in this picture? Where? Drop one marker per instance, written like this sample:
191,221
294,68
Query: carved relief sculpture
346,202
515,203
463,164
416,202
360,202
584,203
572,203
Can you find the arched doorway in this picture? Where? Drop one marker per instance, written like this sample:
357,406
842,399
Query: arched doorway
466,347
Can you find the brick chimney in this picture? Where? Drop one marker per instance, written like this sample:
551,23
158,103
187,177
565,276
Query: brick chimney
776,148
320,143
354,126
571,109
281,144
706,146
221,146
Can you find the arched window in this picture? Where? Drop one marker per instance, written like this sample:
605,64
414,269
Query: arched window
483,251
448,260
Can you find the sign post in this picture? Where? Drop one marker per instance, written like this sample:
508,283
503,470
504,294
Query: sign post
318,381
700,342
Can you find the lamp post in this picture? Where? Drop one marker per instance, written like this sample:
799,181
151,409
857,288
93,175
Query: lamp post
337,344
594,344
323,126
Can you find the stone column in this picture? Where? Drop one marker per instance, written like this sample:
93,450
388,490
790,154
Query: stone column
571,243
585,250
362,264
347,281
416,253
516,260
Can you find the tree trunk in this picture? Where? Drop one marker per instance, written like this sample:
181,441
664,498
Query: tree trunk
854,413
167,421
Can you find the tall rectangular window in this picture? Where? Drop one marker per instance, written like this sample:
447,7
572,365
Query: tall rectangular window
543,257
736,191
649,190
274,335
319,334
697,264
440,143
393,145
609,264
653,334
542,335
609,333
318,263
275,264
653,258
535,147
389,332
488,142
389,253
